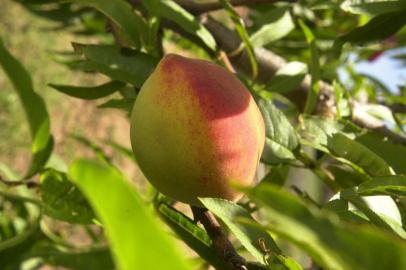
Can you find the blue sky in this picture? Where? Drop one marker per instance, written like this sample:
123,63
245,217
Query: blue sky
388,70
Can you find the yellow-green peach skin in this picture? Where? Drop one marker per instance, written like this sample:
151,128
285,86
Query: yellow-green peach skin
195,128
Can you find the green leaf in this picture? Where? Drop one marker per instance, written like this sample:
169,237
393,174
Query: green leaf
279,24
194,236
242,32
380,210
392,153
123,15
120,64
372,7
314,67
174,12
89,92
99,258
281,138
248,236
342,146
125,104
378,28
252,238
277,175
342,103
121,149
98,150
315,130
394,185
35,110
62,200
332,244
37,245
135,237
288,78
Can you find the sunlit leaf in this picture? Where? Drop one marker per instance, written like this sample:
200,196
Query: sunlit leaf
373,6
358,154
134,235
287,78
253,239
279,25
174,12
242,32
330,243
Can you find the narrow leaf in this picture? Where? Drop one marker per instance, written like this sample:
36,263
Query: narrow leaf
314,68
89,92
378,28
394,185
134,235
242,32
35,110
194,236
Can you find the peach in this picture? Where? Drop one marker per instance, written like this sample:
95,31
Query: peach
195,128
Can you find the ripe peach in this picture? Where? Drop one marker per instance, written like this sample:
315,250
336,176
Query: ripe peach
194,129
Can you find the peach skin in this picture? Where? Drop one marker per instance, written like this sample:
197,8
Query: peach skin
195,128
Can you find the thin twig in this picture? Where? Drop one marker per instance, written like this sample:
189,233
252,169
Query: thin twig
199,8
220,241
10,183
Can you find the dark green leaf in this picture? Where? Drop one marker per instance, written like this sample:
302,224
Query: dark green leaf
393,154
120,64
125,104
62,200
394,185
194,236
35,110
342,146
277,175
89,92
378,28
135,237
281,138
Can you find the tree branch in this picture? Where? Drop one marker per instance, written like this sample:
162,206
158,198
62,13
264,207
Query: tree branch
200,8
220,241
269,63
